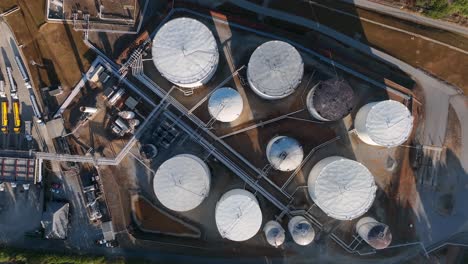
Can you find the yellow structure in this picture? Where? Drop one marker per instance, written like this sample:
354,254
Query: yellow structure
5,117
16,117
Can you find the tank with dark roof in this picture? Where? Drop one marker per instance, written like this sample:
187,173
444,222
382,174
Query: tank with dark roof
331,100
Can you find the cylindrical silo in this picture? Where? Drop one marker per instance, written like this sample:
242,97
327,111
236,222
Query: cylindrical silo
182,182
238,215
331,100
376,234
275,70
225,104
87,109
344,189
274,233
301,230
386,123
284,153
185,52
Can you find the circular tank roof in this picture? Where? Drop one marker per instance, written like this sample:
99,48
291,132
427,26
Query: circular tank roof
275,70
185,52
389,123
274,233
301,230
238,215
332,99
284,153
225,104
182,182
344,189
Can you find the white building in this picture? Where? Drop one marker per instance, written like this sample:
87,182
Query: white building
275,70
225,104
344,189
182,182
284,153
386,123
238,215
301,230
185,52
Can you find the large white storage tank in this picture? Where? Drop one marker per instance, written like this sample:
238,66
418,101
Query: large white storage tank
376,234
386,123
225,104
182,182
331,100
238,215
275,70
301,230
284,153
274,233
185,52
344,189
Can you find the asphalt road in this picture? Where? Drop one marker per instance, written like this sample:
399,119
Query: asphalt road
403,14
8,51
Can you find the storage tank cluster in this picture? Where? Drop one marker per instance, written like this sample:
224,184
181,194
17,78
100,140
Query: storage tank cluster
186,54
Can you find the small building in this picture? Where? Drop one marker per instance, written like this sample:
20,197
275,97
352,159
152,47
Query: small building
225,104
182,182
301,230
387,123
55,220
275,70
284,153
185,52
56,128
331,100
238,215
344,189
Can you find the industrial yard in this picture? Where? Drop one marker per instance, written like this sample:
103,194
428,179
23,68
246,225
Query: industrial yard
221,132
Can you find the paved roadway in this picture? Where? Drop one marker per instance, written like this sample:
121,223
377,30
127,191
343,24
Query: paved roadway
8,51
403,14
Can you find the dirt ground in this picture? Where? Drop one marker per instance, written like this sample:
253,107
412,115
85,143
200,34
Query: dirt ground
441,61
57,50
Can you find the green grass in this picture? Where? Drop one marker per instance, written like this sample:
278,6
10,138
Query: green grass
442,9
10,255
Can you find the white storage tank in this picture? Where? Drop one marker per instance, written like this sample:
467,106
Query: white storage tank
225,104
275,70
185,52
284,153
344,189
376,234
274,233
238,215
386,123
182,182
301,230
331,100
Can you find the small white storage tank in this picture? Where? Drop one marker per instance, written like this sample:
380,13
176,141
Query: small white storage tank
238,215
284,153
182,182
185,52
376,234
344,189
275,70
225,104
274,233
301,230
331,100
386,123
